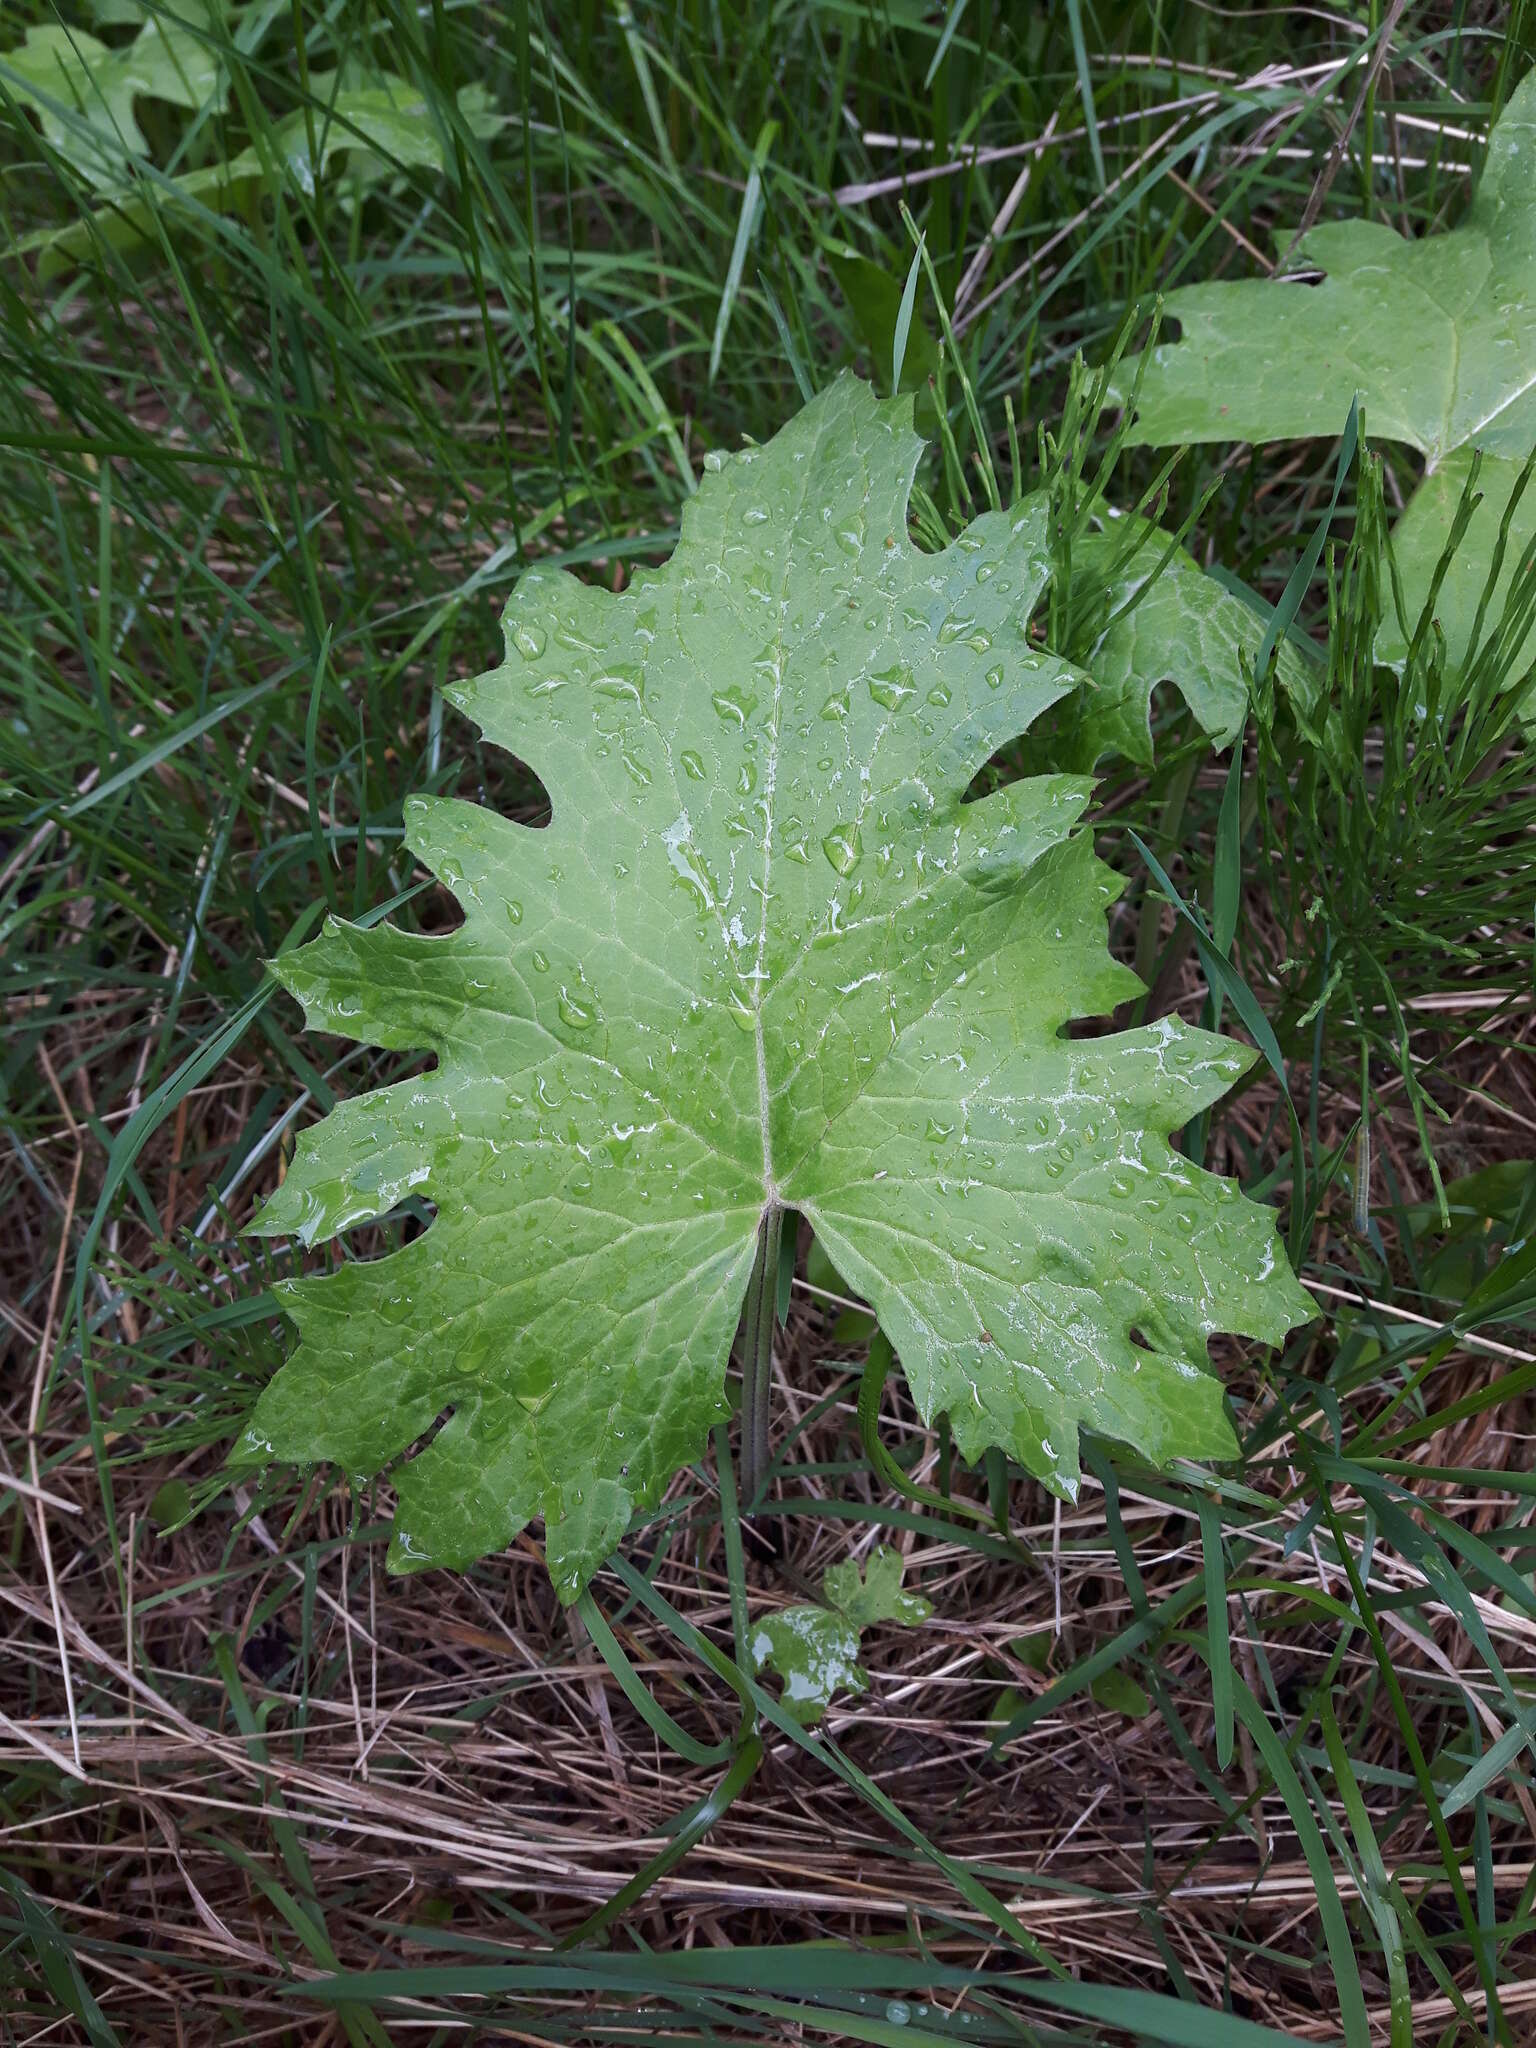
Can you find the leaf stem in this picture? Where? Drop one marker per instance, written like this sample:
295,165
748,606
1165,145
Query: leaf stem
758,1315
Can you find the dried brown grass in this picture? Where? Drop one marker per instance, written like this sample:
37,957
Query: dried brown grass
458,1757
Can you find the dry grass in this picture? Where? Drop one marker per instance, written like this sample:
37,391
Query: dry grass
451,1754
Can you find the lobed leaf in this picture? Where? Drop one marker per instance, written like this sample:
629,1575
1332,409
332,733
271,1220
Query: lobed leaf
1437,337
83,93
815,1650
375,121
764,953
1164,623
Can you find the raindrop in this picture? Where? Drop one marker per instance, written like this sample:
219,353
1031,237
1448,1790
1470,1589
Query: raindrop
842,846
892,687
743,1016
686,863
529,639
580,1013
734,705
621,682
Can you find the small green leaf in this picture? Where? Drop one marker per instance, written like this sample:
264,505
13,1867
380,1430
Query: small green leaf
854,1326
172,1504
1004,1707
1117,1691
815,1650
1436,338
1034,1650
764,955
1163,623
875,1597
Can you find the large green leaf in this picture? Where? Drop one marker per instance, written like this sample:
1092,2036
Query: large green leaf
1436,336
815,1650
764,953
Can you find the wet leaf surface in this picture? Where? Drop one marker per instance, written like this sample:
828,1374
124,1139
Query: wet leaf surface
763,953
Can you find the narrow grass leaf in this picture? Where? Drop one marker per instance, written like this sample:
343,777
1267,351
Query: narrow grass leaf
746,228
1376,1889
56,1959
1300,579
1085,89
1216,1632
1341,1952
952,21
904,316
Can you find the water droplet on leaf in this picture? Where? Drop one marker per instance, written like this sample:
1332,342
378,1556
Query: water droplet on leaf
842,846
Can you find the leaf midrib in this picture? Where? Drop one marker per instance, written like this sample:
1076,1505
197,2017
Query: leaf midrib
771,1196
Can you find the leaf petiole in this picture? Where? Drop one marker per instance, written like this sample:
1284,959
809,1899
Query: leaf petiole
758,1315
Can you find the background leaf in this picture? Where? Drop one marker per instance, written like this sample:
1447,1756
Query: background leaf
1435,337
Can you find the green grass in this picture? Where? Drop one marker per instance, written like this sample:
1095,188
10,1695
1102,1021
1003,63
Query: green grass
273,456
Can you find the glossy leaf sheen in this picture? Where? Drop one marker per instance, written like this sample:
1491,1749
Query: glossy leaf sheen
763,953
1438,337
815,1650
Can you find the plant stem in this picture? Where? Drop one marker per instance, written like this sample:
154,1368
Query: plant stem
758,1315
